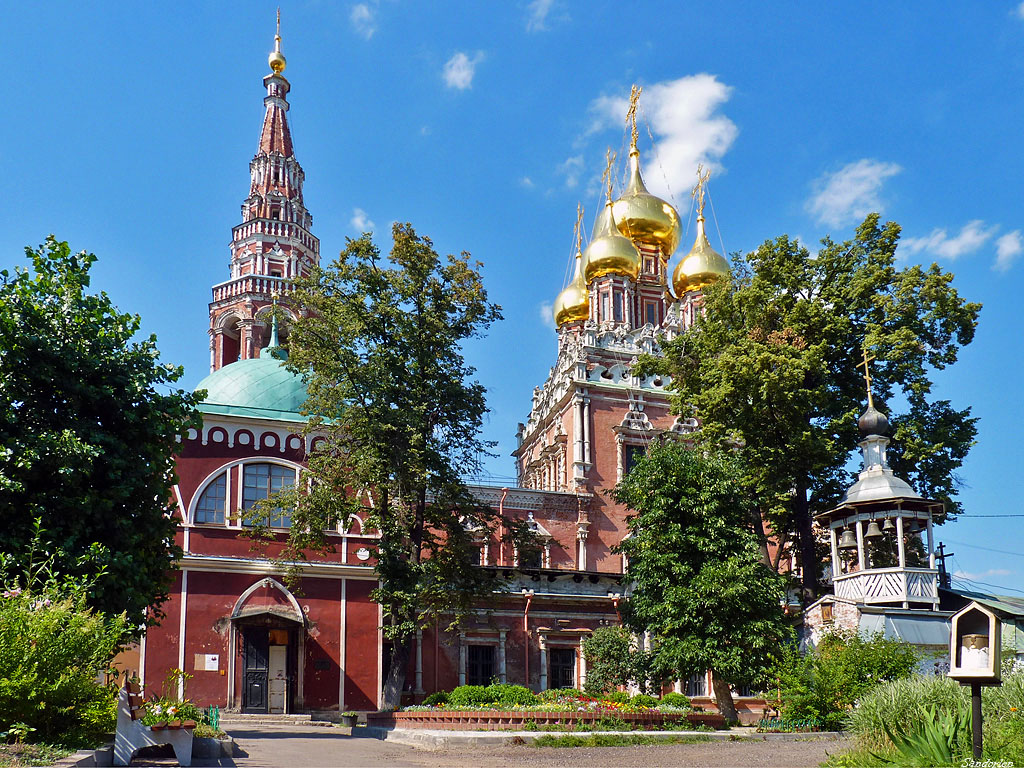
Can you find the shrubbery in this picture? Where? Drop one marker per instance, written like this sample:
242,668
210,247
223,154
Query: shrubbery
843,666
674,699
436,699
496,694
53,648
912,705
643,700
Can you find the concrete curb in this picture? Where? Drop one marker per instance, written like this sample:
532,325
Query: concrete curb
202,748
436,739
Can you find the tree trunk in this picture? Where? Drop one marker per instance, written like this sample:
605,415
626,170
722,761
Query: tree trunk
757,521
723,698
401,652
805,533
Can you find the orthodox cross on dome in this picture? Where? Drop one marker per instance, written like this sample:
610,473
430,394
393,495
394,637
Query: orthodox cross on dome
867,373
700,188
578,231
634,101
606,177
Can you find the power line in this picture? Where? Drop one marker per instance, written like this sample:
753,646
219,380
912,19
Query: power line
960,517
987,584
987,549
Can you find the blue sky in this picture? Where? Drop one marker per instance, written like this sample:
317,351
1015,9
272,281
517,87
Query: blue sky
127,130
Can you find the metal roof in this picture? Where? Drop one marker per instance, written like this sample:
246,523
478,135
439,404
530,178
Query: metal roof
260,387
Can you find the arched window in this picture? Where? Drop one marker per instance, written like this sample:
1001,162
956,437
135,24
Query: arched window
210,508
261,480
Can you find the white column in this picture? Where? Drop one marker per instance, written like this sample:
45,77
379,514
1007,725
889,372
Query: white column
543,643
419,661
502,667
861,555
582,681
931,543
619,459
899,542
586,430
837,568
462,658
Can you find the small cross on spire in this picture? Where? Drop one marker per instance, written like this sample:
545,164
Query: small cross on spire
606,177
867,374
578,232
699,189
634,101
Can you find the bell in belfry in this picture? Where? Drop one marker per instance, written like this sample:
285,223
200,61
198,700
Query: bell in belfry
847,540
873,531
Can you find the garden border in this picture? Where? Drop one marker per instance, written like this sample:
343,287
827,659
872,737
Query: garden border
499,720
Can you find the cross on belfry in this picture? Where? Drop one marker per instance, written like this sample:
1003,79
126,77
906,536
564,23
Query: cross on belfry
634,101
699,188
867,374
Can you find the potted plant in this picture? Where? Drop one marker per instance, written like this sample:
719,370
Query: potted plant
349,719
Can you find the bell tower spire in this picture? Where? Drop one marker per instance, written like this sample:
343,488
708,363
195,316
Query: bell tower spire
273,244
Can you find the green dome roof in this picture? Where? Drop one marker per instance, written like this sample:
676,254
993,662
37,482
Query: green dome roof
260,387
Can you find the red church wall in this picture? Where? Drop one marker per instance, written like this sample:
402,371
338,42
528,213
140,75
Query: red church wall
361,646
161,652
323,642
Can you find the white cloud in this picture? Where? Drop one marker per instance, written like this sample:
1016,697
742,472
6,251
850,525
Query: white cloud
547,314
363,19
687,127
361,222
980,576
1008,248
1020,11
851,193
459,70
971,237
571,168
527,182
537,14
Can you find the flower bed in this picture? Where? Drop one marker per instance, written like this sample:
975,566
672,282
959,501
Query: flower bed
497,720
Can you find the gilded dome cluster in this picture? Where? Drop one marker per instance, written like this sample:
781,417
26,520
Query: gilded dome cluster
638,217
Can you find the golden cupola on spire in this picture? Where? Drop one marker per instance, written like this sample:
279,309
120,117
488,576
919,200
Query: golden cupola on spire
702,266
573,303
609,253
639,215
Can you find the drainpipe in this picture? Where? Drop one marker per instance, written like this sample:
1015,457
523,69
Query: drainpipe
501,536
528,594
615,604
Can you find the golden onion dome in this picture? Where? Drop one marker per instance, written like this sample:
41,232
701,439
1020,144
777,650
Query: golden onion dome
609,253
643,217
573,303
700,267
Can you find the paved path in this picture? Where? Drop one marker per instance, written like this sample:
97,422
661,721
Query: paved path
316,747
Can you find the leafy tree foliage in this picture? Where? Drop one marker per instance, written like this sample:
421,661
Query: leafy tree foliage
87,441
842,667
380,342
613,659
698,583
772,364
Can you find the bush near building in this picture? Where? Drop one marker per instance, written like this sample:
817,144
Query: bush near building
843,666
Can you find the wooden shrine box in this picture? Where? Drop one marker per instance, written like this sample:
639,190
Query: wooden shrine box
975,645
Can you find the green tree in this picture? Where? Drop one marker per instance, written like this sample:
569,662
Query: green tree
614,658
772,364
381,344
87,441
697,580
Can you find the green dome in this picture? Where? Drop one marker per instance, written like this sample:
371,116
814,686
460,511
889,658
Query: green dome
260,387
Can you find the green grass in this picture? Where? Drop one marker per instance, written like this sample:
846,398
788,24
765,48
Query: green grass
615,740
18,755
